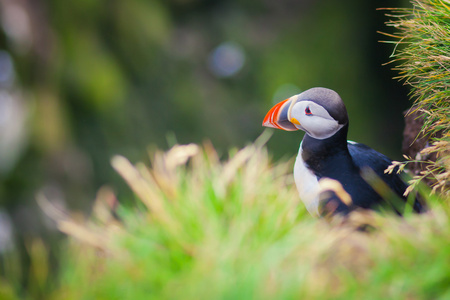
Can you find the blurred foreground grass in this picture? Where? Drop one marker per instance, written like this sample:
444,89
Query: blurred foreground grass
236,230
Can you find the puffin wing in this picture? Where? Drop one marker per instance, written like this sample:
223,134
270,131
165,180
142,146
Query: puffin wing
364,156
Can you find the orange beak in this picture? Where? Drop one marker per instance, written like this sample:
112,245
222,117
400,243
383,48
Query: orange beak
277,117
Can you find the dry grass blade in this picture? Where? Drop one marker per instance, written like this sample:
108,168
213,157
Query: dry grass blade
145,187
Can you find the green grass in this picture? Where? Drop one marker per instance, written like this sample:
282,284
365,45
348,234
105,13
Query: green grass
422,58
237,230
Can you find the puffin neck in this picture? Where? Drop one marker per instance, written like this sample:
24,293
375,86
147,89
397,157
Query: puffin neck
315,151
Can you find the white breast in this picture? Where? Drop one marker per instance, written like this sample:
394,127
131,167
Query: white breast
307,185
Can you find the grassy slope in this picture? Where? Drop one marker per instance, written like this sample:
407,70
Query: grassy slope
235,230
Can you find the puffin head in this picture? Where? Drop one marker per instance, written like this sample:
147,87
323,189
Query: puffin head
320,112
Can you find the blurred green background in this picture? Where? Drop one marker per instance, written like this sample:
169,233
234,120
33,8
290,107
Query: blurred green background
83,80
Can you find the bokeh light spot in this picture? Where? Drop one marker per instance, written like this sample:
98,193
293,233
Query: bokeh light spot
227,59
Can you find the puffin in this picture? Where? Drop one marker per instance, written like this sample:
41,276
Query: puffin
325,153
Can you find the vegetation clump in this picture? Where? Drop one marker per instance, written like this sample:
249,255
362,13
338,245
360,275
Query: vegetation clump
422,58
236,229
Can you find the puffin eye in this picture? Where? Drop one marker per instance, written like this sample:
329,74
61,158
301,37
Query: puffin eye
308,111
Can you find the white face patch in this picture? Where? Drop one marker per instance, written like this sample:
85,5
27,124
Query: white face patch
314,119
307,185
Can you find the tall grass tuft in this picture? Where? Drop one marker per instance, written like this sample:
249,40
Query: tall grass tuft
422,58
206,229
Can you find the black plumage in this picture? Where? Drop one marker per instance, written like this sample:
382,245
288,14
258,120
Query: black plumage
344,161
